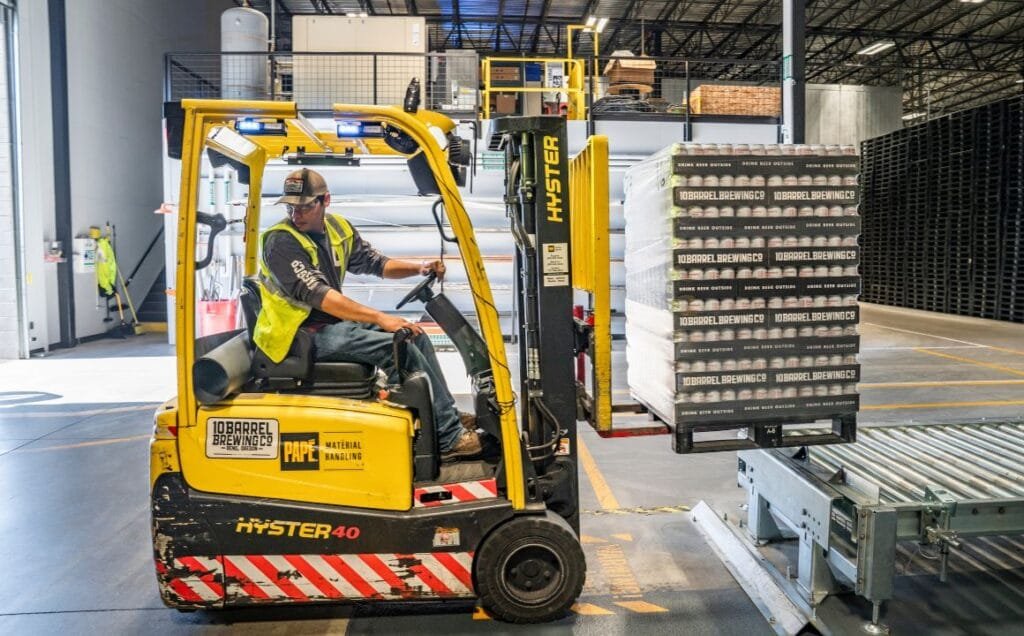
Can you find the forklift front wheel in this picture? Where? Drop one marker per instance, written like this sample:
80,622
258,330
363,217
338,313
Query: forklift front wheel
530,570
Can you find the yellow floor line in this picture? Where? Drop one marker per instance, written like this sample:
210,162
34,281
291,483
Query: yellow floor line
642,607
940,405
605,497
98,442
917,385
615,567
586,538
88,413
625,536
987,365
931,335
589,609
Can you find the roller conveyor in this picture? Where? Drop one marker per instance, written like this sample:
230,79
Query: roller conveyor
850,506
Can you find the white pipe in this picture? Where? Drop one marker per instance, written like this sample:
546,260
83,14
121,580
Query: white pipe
273,31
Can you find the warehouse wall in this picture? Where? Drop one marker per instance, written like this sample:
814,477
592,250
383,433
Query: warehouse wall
839,114
10,336
115,90
115,77
34,99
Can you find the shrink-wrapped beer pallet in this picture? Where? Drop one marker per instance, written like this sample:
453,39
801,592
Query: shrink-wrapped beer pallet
741,292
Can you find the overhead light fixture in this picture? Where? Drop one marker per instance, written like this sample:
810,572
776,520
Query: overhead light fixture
1020,81
595,23
876,48
351,14
363,15
973,1
910,116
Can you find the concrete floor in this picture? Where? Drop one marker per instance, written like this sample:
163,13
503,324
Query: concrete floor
75,518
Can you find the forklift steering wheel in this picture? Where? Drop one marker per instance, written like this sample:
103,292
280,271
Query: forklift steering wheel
420,291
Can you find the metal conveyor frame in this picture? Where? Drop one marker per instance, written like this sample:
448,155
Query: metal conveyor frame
850,505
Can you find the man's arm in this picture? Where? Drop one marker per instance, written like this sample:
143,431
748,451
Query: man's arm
294,272
341,306
395,268
365,259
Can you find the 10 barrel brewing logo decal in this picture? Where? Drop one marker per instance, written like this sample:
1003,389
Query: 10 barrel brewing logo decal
241,438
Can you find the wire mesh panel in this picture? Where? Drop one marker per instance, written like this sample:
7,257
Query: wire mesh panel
667,86
315,81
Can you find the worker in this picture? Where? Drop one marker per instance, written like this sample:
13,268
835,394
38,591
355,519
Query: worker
304,261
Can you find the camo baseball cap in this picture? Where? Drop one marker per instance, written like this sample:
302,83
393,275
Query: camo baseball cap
302,187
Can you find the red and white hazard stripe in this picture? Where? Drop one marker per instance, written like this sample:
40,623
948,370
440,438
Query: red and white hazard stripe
318,577
192,579
460,492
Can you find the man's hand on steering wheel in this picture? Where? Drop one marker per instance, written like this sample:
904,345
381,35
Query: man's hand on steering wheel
392,323
433,266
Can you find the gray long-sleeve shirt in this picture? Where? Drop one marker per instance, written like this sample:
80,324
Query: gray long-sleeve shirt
297,277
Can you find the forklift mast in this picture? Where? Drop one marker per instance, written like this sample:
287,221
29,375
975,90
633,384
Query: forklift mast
537,203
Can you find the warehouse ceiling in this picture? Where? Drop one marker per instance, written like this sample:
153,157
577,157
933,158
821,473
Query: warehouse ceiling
946,54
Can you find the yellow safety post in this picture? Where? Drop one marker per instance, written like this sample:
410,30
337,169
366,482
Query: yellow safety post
583,28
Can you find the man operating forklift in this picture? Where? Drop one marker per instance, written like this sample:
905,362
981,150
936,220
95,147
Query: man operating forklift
304,261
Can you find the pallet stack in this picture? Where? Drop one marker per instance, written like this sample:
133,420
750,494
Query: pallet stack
753,101
741,291
943,214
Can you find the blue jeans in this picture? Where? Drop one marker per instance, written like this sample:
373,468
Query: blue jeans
347,341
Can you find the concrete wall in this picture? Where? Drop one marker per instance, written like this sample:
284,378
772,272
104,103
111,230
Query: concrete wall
838,114
115,54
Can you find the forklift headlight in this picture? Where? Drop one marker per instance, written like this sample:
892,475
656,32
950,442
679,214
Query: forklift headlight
350,129
250,126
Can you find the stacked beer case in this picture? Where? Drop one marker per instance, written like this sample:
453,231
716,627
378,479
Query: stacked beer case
741,292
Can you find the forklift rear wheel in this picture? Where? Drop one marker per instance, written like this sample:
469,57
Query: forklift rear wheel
530,570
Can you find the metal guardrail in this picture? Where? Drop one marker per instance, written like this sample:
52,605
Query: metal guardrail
507,76
315,81
605,87
663,86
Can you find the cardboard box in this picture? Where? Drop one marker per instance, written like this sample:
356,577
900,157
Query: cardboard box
503,104
759,101
623,70
505,74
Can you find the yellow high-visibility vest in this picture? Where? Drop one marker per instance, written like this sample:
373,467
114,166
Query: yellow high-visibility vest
106,266
281,315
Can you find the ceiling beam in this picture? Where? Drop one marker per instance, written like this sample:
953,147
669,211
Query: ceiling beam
757,12
613,40
545,8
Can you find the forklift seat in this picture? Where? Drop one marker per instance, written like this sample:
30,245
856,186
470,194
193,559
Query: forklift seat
300,367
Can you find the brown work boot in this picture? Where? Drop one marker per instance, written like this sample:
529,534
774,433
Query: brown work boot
468,421
467,445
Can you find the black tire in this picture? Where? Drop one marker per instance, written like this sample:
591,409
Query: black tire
530,570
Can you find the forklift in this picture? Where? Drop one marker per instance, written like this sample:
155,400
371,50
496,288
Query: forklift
306,481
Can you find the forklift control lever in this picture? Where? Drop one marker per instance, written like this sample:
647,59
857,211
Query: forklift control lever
421,292
400,349
217,224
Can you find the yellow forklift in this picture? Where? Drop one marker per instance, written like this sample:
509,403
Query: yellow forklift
306,481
